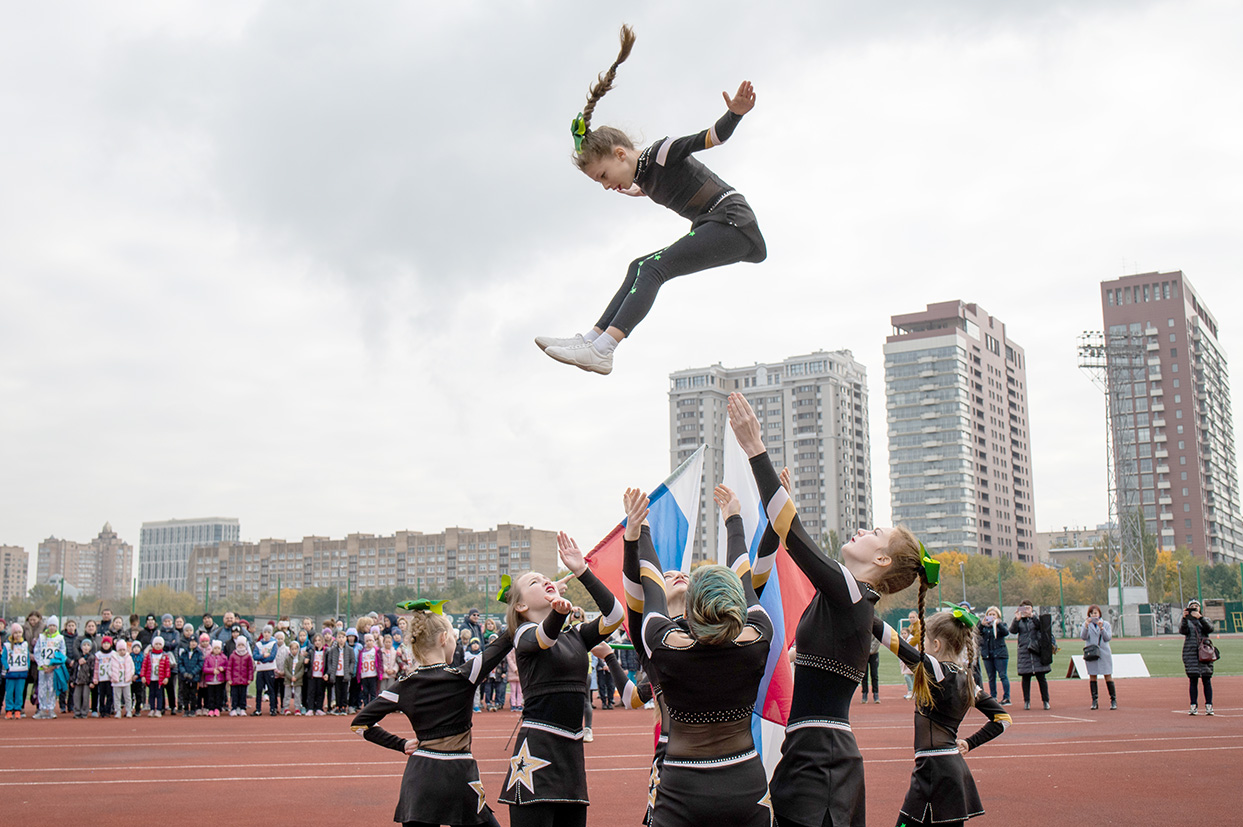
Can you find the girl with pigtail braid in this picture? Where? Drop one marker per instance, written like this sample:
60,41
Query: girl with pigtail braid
441,783
723,227
942,790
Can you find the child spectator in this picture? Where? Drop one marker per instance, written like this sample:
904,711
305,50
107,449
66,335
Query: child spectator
355,689
515,688
157,669
369,667
83,680
265,671
121,671
137,687
241,671
102,683
388,662
16,665
282,666
190,670
70,634
204,647
215,665
294,680
51,658
341,669
317,661
494,685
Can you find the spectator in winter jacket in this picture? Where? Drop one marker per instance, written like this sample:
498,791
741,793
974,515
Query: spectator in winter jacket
265,670
147,633
284,668
101,686
190,669
1195,628
51,658
15,666
83,678
122,678
215,674
342,666
157,671
70,634
241,672
137,688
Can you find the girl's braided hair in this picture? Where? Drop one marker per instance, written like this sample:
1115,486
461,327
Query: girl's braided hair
599,142
425,630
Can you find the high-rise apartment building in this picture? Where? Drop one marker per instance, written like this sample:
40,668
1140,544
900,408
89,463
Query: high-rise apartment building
13,563
813,410
164,547
408,559
960,470
103,567
1173,432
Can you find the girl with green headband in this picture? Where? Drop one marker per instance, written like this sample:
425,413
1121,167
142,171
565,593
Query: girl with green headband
723,227
942,791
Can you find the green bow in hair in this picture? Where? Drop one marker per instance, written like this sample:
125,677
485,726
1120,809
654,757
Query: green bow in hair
424,604
932,569
962,615
506,582
578,128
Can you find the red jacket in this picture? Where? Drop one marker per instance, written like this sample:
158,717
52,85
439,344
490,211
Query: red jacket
166,668
241,669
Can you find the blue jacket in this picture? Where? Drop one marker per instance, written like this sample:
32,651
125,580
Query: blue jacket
190,660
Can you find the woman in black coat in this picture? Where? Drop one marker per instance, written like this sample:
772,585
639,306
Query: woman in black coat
1195,628
1026,627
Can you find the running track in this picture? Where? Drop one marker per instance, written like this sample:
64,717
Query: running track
1147,763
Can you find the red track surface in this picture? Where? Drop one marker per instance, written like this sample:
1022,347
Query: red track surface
1147,763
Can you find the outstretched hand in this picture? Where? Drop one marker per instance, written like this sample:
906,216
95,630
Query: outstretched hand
570,554
634,191
784,476
559,604
602,650
727,501
636,503
743,100
745,424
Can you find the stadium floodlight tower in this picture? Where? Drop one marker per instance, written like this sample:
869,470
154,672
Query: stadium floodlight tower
1115,363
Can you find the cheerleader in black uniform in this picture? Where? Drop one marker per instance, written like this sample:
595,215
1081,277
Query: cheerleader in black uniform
441,783
723,227
942,790
709,676
676,584
819,780
546,785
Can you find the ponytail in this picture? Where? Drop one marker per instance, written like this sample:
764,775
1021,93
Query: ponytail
593,144
921,688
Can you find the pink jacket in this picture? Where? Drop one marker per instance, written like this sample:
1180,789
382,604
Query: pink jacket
122,670
215,669
241,669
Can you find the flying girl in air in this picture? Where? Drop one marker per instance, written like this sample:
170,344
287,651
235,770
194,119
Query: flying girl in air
723,227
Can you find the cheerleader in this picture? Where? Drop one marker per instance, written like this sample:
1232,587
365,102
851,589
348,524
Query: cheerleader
942,790
723,227
441,783
819,779
546,785
711,771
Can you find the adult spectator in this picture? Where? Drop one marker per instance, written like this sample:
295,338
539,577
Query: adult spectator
134,628
994,653
105,620
168,632
207,626
116,628
147,632
1031,645
1097,633
472,622
1195,628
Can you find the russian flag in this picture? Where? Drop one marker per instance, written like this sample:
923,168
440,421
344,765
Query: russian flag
673,515
787,592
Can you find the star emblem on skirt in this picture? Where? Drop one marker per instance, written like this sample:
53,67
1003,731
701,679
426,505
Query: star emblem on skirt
477,786
767,803
523,766
653,781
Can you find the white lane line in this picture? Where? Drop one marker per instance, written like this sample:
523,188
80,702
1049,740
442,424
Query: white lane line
94,770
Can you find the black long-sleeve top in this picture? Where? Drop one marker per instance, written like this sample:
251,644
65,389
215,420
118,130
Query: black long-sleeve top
936,726
437,699
703,683
552,660
834,636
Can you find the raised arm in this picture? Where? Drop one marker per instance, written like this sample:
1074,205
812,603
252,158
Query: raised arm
766,552
610,610
632,696
675,150
366,722
998,722
478,669
908,654
630,564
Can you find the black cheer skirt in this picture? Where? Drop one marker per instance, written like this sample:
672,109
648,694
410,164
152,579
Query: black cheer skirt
715,791
942,788
547,767
442,788
821,771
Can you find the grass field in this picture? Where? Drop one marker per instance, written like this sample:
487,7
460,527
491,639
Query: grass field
1163,655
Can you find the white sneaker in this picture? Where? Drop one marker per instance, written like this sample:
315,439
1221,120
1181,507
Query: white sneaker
1193,710
545,342
1208,709
583,356
587,736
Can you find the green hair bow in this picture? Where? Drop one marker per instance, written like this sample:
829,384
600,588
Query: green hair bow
507,582
962,615
424,604
932,568
578,128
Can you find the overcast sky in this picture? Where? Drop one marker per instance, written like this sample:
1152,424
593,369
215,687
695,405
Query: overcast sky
283,261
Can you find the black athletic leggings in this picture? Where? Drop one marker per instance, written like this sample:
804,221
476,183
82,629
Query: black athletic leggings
1027,687
548,815
709,245
1195,689
874,668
